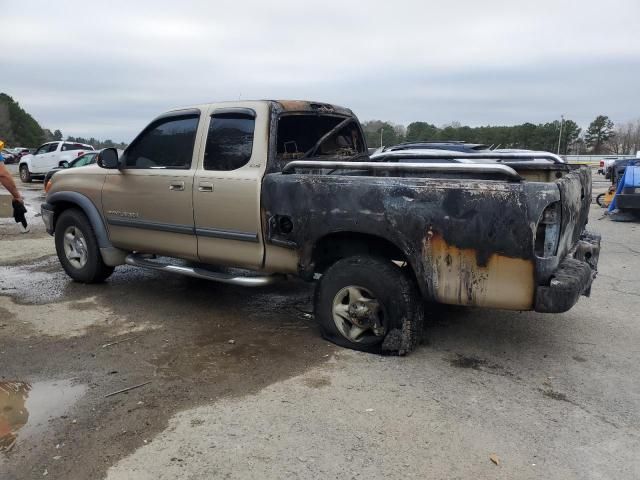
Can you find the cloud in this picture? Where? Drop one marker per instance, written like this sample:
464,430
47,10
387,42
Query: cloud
105,70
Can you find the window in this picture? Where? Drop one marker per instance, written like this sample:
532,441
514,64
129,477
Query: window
53,147
297,134
166,143
42,149
229,141
84,160
74,146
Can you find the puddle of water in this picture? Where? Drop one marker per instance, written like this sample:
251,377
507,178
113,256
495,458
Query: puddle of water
25,408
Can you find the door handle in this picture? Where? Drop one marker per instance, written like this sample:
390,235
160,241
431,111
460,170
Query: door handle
205,187
176,186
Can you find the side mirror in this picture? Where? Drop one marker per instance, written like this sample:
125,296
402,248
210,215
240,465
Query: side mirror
108,158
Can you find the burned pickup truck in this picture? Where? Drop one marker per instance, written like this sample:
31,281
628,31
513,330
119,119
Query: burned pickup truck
283,188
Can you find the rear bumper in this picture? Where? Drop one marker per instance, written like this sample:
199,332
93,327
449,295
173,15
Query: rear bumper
573,277
628,201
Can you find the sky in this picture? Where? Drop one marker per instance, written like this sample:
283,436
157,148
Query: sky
105,69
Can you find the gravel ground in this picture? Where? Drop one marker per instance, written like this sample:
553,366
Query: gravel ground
242,385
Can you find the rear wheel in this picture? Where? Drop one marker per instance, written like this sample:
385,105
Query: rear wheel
369,304
77,248
25,174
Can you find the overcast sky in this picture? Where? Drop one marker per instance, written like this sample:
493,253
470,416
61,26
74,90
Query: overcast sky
105,70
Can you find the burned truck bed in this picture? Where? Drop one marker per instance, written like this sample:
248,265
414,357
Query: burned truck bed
505,237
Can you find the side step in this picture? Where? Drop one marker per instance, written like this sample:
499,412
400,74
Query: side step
197,272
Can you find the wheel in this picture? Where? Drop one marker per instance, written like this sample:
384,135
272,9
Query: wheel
369,304
77,248
25,174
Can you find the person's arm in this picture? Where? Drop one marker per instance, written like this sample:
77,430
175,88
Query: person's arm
7,181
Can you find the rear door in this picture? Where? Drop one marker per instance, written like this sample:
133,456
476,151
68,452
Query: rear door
227,185
148,203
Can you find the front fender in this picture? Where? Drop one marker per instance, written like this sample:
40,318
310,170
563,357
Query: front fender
59,201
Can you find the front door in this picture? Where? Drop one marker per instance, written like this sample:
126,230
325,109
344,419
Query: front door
148,203
45,158
227,186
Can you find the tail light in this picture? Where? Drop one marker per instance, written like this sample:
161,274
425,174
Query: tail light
47,186
601,163
548,231
80,153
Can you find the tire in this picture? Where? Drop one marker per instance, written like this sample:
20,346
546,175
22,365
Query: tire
25,174
350,293
77,248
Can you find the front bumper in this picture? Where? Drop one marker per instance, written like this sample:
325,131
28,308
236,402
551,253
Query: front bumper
573,278
48,214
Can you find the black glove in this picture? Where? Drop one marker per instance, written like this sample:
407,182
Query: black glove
18,212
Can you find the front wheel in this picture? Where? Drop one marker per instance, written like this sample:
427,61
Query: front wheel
25,174
77,248
369,304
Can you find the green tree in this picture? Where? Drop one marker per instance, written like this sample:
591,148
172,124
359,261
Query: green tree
570,134
421,131
57,135
17,127
600,131
391,134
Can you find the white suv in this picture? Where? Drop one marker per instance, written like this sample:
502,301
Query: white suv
49,156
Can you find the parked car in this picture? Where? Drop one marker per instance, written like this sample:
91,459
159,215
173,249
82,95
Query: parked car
81,161
215,185
9,156
449,145
460,153
49,156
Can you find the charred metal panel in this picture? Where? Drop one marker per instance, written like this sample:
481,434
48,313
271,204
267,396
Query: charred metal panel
469,241
479,227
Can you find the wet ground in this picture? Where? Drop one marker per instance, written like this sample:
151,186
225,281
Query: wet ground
227,382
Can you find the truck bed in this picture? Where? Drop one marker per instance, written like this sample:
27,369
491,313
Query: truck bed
469,240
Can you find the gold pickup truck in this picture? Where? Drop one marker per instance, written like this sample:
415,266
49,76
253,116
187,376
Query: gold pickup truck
282,188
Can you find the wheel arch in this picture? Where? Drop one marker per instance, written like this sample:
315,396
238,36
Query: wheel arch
61,201
337,245
26,162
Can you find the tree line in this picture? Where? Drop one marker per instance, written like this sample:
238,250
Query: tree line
601,137
18,128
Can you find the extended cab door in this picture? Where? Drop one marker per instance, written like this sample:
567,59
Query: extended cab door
148,203
227,185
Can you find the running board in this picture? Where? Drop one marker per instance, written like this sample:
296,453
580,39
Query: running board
197,272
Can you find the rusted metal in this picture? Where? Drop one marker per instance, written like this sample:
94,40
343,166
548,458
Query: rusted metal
456,277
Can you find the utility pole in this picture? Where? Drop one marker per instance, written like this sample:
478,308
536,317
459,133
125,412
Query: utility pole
381,130
560,135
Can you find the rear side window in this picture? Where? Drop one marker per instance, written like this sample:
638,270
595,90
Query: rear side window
166,143
74,146
229,141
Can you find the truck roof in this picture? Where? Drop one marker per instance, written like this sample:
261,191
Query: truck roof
288,106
